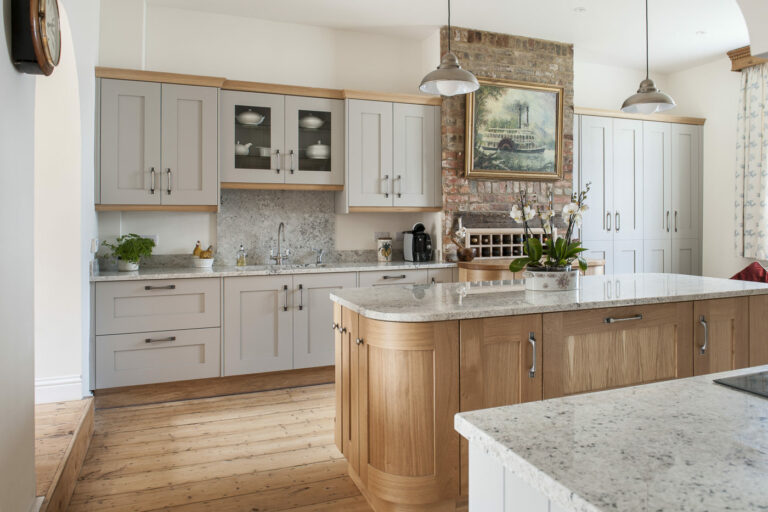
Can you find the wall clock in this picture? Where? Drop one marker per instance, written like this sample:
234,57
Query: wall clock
36,39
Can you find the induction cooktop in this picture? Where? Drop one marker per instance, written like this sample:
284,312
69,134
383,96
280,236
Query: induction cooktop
756,383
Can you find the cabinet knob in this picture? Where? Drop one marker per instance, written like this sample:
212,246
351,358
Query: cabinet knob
335,326
359,341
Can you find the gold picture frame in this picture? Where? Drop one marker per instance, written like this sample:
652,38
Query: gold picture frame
515,149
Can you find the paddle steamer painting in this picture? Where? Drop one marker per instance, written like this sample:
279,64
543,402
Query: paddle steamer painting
514,131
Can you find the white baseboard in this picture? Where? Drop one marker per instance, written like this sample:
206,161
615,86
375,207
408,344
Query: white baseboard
58,389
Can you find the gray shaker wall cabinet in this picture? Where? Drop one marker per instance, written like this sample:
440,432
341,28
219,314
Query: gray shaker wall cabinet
158,144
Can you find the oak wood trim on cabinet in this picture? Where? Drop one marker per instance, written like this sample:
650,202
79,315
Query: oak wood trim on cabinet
291,90
215,386
416,99
158,76
663,118
728,326
212,208
394,209
758,330
338,377
584,353
63,484
234,185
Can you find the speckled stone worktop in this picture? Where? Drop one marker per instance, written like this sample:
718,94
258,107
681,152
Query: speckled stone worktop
260,270
457,301
676,446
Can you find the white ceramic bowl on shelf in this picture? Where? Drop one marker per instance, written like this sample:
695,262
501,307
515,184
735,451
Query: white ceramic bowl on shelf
311,122
202,262
318,151
250,118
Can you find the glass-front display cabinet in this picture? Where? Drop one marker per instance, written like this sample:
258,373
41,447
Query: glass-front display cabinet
271,138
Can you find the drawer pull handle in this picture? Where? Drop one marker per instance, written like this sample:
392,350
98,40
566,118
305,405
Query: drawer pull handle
166,287
285,304
607,221
401,276
613,320
301,297
532,341
705,325
156,340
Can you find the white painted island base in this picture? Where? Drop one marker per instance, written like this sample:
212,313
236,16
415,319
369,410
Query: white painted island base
492,488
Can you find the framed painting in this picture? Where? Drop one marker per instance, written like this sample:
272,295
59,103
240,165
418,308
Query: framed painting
514,130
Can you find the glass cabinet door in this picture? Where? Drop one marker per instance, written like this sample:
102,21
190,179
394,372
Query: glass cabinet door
252,137
314,132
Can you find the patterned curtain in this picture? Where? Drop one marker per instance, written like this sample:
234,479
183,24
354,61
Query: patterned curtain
751,218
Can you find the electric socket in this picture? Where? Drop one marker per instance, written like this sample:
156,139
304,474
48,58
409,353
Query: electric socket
154,238
381,234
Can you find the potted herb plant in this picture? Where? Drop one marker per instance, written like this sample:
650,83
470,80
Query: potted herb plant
548,265
129,249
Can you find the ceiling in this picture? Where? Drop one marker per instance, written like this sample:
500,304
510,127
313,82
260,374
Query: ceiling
683,32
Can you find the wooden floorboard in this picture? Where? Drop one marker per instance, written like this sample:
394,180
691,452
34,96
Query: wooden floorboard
55,424
266,451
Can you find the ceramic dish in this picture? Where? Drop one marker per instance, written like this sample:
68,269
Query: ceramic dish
250,118
311,122
318,151
202,262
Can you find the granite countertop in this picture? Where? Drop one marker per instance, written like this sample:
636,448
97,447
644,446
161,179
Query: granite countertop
676,446
261,270
418,303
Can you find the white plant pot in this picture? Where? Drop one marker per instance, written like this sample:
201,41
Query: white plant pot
127,266
551,281
202,262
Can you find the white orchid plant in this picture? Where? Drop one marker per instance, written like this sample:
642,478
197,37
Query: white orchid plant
554,253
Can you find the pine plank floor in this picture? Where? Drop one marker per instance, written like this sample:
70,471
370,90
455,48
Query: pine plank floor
255,452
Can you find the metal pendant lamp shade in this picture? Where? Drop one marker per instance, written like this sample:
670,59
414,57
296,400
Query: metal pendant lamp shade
449,79
648,98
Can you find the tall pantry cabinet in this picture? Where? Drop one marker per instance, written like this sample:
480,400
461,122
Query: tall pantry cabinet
645,197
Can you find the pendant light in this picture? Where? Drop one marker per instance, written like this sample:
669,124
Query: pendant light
648,99
449,79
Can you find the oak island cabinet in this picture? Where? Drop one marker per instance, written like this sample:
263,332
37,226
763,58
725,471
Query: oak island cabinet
157,144
409,358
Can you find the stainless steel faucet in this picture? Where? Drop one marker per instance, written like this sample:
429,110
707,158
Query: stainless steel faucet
280,257
319,253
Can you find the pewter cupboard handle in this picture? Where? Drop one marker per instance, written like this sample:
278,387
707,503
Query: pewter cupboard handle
343,330
152,174
291,153
675,221
359,341
608,221
166,287
170,177
401,276
285,304
400,183
155,340
667,221
386,183
703,322
334,326
613,320
532,341
617,215
301,297
277,159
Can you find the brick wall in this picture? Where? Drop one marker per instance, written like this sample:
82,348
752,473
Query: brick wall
486,203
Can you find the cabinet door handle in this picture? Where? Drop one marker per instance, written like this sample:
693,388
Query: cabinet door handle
532,341
705,325
675,221
359,341
285,303
292,167
386,185
170,178
152,180
614,320
166,287
617,216
343,330
667,221
156,340
335,326
401,276
399,180
277,160
607,221
301,297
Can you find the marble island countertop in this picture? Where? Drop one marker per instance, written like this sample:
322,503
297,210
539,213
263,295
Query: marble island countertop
261,270
457,301
676,446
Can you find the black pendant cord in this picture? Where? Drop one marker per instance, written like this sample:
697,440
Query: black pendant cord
449,26
647,72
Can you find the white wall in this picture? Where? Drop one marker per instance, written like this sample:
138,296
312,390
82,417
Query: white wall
606,87
58,175
711,91
242,48
17,442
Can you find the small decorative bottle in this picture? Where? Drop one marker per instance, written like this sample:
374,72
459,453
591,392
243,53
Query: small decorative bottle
241,256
